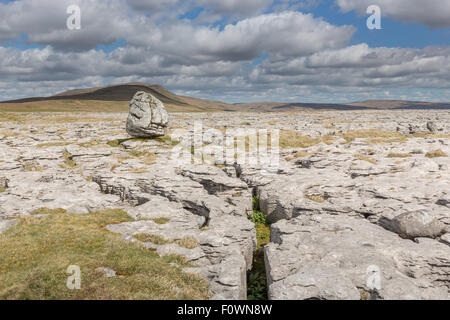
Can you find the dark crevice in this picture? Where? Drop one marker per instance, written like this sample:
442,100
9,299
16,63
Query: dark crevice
256,277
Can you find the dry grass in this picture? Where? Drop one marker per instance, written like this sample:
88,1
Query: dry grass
374,136
299,154
9,117
146,157
138,170
186,242
431,135
436,154
92,144
293,139
36,253
66,106
53,144
161,220
69,163
399,155
145,237
48,211
319,198
365,158
9,134
117,143
87,106
32,168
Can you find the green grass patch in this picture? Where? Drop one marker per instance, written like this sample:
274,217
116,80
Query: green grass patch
255,204
259,217
36,253
256,279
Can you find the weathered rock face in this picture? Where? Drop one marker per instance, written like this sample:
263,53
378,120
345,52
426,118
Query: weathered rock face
329,257
337,208
148,117
416,224
201,203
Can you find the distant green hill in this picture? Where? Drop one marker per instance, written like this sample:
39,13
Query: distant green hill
115,98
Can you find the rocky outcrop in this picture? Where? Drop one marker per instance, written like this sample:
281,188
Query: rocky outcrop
416,224
329,257
343,212
200,203
148,117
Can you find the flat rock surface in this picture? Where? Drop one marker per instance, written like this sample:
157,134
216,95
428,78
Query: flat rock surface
359,205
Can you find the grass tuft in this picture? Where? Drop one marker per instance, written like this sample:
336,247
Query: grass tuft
374,136
399,155
36,253
436,154
365,158
48,211
69,163
293,139
319,198
161,220
32,168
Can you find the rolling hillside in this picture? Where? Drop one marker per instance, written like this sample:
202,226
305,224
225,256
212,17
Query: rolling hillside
113,98
116,98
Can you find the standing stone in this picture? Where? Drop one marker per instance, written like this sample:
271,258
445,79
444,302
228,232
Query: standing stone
148,117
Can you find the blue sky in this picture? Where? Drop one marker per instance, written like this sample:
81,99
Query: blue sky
230,50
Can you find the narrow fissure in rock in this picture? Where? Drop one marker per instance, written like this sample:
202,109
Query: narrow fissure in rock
256,277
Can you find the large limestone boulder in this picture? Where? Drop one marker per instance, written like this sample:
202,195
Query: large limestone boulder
416,224
148,117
